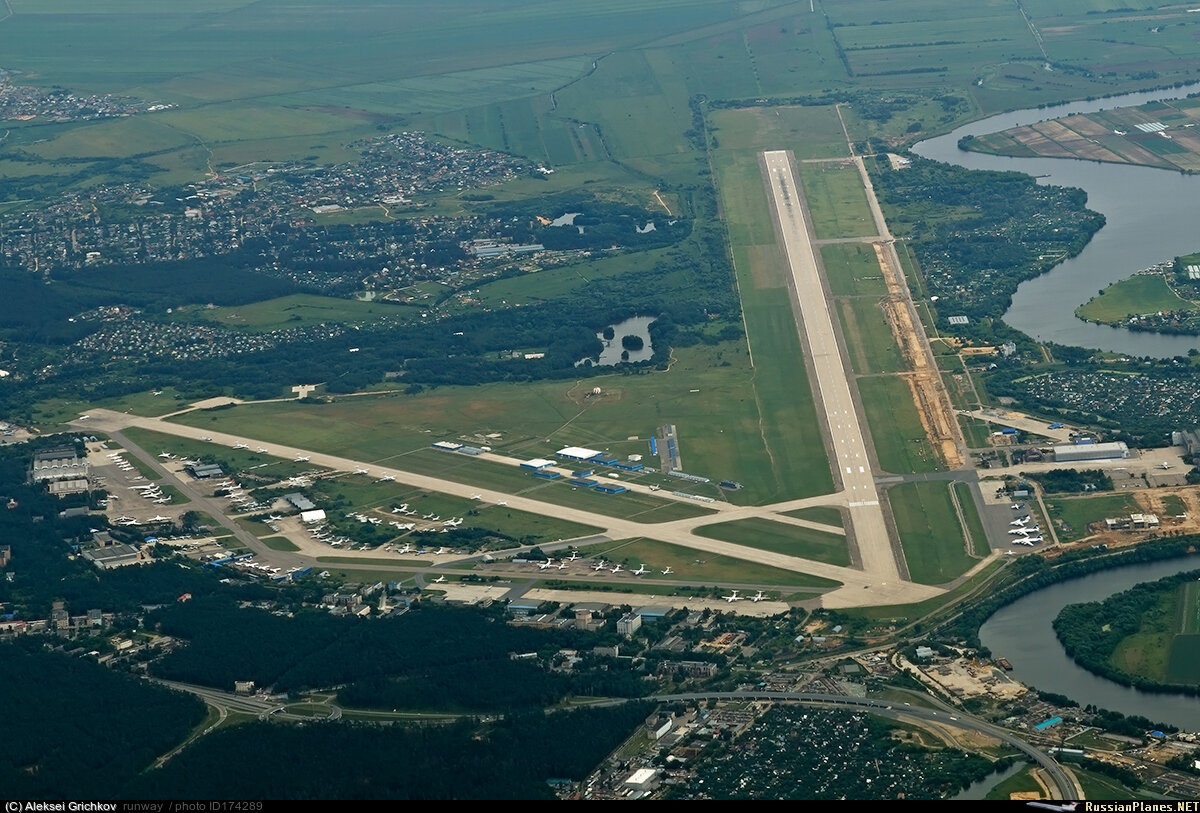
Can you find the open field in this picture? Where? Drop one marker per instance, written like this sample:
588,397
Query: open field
1137,295
852,269
1071,515
869,339
824,515
930,532
720,427
836,201
298,310
793,540
896,429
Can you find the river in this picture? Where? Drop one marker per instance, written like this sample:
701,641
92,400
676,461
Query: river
1022,633
1151,217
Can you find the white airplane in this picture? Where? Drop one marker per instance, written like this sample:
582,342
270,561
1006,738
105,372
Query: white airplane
362,471
667,572
439,551
146,487
601,565
477,496
406,549
453,523
1009,553
561,566
732,598
241,445
1018,532
159,519
84,417
1020,521
207,439
501,502
387,478
1164,465
439,580
546,564
758,597
301,459
574,555
165,455
1016,506
132,522
617,569
262,450
123,519
162,501
273,518
640,570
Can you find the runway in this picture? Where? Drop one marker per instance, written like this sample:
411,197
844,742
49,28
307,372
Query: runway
834,399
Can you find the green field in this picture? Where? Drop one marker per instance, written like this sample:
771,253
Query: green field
930,532
869,339
296,311
1071,515
1173,505
278,543
1141,294
836,200
896,430
779,537
698,567
852,269
824,515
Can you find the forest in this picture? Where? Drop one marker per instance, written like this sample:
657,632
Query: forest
512,758
432,657
76,730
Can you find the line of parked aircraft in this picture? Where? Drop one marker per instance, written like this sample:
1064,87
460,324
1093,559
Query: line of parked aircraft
735,597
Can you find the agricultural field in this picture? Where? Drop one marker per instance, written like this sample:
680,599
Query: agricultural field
1159,134
778,537
931,533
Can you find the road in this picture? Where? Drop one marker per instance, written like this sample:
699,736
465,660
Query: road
834,399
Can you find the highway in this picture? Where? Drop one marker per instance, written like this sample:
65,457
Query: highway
834,399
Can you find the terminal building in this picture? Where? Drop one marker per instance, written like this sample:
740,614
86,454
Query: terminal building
1091,451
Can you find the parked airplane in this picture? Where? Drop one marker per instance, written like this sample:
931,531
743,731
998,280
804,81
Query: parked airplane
439,580
162,501
302,459
477,496
561,566
733,598
159,519
758,597
1164,465
123,519
387,478
262,450
574,555
501,502
241,445
165,455
362,471
667,572
546,564
617,569
640,570
406,549
206,438
274,518
601,565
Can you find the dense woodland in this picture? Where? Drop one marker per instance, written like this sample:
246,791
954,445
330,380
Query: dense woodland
431,657
76,730
509,759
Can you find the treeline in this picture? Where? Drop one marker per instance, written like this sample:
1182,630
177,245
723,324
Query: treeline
604,223
76,730
1090,633
509,759
430,657
1071,481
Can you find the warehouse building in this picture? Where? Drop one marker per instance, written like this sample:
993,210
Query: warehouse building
1091,451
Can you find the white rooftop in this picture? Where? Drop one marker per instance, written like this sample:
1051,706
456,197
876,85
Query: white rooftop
577,451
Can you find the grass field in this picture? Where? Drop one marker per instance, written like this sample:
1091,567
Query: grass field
900,440
836,200
852,269
1141,294
1071,515
696,567
966,503
279,543
930,532
296,311
869,339
779,537
822,514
